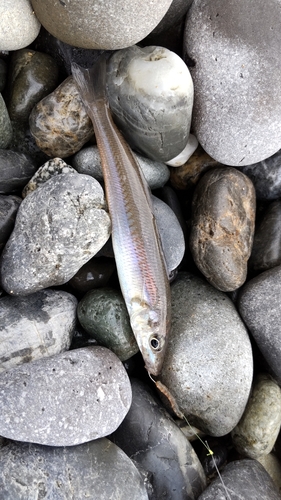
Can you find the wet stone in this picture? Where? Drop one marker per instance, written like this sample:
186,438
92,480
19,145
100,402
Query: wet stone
6,132
59,227
149,436
66,399
8,209
16,169
50,169
207,346
94,274
36,326
266,177
103,314
222,227
59,122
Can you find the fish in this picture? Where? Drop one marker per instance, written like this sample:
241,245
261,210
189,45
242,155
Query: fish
139,257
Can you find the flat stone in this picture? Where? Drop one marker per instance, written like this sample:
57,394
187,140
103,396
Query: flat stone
222,227
66,399
259,305
207,346
59,227
233,48
98,470
52,167
257,431
115,25
150,437
9,206
36,326
266,177
6,131
18,24
16,169
155,79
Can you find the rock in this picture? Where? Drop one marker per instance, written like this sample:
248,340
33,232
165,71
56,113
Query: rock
155,79
50,169
187,152
59,122
236,69
149,436
98,470
6,131
176,11
8,209
104,316
222,227
94,274
266,177
115,26
266,251
59,227
259,305
87,161
3,74
18,26
16,169
256,433
208,345
66,399
273,466
242,479
36,326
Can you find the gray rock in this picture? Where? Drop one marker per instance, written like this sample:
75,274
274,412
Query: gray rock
66,399
16,169
87,161
98,470
36,326
242,480
59,227
174,14
257,431
115,25
6,131
51,168
234,47
18,24
150,437
8,209
208,345
259,305
273,466
266,177
222,227
104,316
150,93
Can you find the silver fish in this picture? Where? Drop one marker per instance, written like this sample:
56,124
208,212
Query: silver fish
139,257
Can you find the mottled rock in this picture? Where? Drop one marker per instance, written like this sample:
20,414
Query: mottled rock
114,25
51,168
94,274
208,345
59,227
149,436
87,161
259,305
18,24
16,169
59,122
8,209
234,51
6,131
222,227
66,399
242,480
150,92
103,314
36,326
266,177
257,431
98,470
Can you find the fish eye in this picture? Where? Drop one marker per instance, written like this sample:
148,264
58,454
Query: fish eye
155,344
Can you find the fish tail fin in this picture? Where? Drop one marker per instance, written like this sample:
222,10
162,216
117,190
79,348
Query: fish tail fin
91,82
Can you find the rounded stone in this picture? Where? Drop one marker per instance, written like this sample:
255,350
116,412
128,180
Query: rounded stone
36,326
6,131
234,51
207,346
103,314
222,227
16,169
59,227
18,24
9,206
100,25
51,168
150,93
66,399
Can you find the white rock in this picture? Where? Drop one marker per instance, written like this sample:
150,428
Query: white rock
18,24
191,146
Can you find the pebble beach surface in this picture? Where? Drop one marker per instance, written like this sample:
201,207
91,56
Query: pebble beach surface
194,88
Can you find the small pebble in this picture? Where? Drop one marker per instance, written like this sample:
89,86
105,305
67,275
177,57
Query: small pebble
18,24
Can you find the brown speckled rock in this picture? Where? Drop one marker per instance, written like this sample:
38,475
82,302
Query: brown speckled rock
223,227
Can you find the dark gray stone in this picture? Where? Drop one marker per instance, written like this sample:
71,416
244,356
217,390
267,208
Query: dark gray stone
59,227
66,399
36,326
6,131
222,227
3,74
174,14
207,347
150,437
103,314
259,305
94,274
234,49
98,470
52,167
242,480
16,169
8,209
266,177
